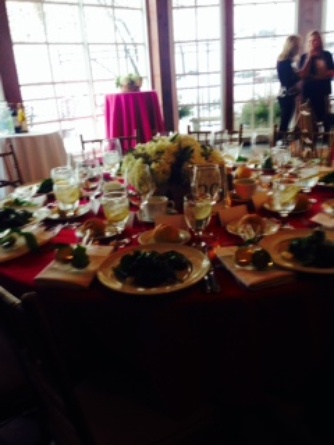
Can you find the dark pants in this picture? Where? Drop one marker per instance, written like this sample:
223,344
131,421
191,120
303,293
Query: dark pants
319,104
287,105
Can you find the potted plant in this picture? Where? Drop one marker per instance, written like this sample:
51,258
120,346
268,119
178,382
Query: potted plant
130,82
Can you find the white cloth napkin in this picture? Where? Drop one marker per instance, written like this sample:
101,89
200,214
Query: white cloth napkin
253,279
324,220
64,275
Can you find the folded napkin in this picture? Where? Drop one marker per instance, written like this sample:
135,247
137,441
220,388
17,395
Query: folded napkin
64,275
324,220
253,279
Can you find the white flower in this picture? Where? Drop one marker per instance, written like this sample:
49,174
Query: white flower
168,159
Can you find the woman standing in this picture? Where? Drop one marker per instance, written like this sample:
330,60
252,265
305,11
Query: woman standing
289,77
317,85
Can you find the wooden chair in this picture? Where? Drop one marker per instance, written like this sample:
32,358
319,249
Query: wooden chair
91,397
236,135
222,136
204,137
10,167
93,147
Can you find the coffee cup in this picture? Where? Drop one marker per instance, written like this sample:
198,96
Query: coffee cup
156,206
245,187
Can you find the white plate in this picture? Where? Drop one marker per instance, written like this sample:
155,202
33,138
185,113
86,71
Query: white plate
278,243
270,227
51,213
147,237
20,248
200,266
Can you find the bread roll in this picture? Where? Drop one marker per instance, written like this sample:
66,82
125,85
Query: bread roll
165,233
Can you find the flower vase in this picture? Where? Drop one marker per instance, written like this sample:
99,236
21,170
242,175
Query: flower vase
174,192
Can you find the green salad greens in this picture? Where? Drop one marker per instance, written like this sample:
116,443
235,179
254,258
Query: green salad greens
313,250
151,268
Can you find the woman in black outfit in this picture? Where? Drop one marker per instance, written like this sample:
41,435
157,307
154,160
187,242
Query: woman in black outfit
289,78
317,86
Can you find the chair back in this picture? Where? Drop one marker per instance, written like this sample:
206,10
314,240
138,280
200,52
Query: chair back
93,147
204,137
10,167
220,137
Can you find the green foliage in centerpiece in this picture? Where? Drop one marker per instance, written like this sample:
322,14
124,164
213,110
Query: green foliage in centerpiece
169,159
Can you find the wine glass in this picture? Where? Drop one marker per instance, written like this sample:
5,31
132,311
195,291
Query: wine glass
281,158
308,176
112,156
197,211
140,185
89,174
206,180
284,197
231,152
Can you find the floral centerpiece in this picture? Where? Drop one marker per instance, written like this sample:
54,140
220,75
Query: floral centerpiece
130,82
169,159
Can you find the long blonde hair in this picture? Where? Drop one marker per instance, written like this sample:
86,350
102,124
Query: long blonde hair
290,48
316,34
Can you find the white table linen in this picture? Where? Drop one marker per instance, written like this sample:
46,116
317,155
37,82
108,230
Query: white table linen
37,153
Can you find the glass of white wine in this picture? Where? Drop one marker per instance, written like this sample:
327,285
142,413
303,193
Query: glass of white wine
66,189
116,209
197,211
112,156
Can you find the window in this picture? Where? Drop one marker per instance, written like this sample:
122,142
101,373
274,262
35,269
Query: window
70,55
198,60
260,29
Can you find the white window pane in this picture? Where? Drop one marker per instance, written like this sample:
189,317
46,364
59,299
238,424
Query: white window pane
208,23
129,25
68,62
74,106
264,19
180,18
19,14
62,23
28,71
45,110
99,24
209,55
37,92
71,89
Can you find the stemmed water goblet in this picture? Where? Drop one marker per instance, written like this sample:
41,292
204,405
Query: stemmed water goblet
284,197
206,179
197,211
140,185
231,152
89,173
112,157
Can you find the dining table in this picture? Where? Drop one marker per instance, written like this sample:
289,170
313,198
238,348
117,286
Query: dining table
37,152
133,114
236,345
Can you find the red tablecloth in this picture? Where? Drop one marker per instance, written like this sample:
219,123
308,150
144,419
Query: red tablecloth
128,113
193,346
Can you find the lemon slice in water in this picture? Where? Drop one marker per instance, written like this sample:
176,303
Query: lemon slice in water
203,210
290,194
